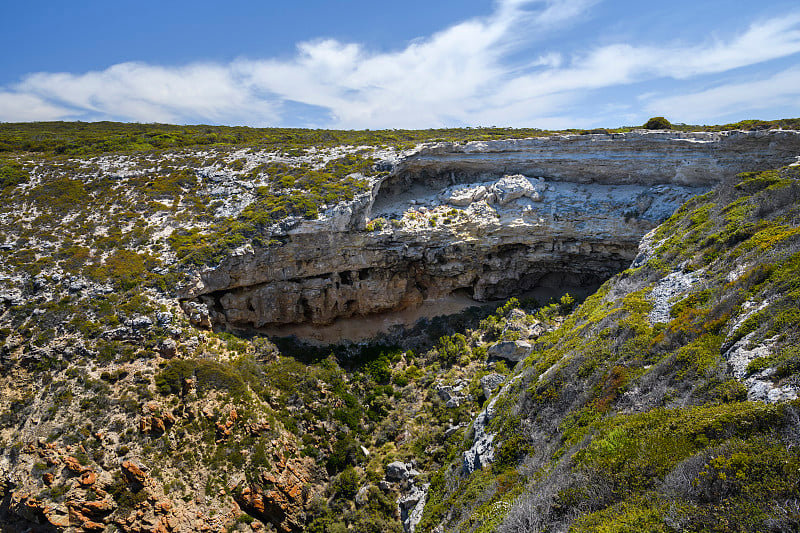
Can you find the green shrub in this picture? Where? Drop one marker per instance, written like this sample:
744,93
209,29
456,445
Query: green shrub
452,348
510,452
376,225
208,375
657,123
346,452
346,483
12,174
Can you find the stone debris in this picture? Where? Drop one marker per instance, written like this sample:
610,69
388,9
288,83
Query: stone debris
759,385
11,297
461,196
139,322
491,382
481,452
164,318
412,505
452,395
198,314
282,494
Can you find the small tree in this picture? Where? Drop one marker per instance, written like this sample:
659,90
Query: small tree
657,123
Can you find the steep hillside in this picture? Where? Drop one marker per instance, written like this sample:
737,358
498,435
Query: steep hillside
141,268
667,401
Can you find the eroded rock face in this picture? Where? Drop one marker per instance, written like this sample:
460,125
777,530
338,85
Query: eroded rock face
281,496
492,218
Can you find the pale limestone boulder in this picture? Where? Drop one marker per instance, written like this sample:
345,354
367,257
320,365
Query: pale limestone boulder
512,351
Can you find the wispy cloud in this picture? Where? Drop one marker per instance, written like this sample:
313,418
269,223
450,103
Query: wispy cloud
464,74
22,107
136,91
780,90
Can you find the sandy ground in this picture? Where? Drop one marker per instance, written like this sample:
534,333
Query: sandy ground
359,329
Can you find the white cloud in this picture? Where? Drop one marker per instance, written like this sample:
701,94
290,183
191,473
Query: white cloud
136,91
782,89
21,107
461,75
763,41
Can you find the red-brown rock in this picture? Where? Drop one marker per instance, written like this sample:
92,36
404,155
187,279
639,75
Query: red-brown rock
88,525
285,501
133,473
97,507
73,465
163,507
88,478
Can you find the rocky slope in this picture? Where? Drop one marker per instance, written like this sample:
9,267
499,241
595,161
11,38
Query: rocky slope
663,401
667,401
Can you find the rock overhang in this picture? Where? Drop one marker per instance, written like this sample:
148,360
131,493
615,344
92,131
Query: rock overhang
489,217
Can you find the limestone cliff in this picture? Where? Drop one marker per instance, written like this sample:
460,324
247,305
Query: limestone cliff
492,218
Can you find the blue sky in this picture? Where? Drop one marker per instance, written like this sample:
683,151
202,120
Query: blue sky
414,64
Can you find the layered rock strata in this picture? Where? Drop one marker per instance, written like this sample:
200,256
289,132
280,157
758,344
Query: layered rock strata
491,218
695,159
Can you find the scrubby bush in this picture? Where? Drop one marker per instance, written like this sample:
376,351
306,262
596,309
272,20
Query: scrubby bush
11,174
657,123
346,483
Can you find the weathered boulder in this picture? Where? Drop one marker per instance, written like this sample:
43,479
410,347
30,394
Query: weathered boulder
168,348
134,474
362,496
73,465
512,351
462,196
400,471
510,188
88,478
